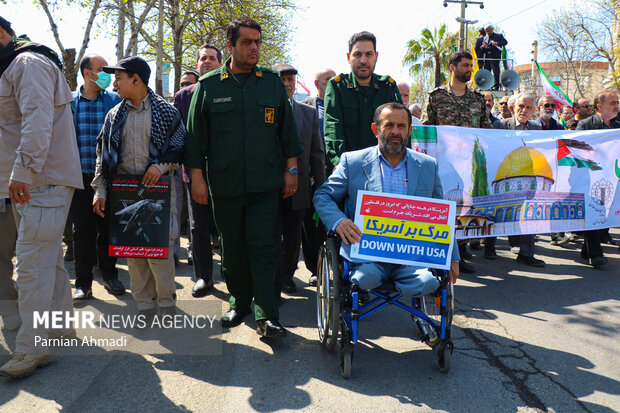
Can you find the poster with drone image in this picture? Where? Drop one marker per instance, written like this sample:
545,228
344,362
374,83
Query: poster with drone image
139,217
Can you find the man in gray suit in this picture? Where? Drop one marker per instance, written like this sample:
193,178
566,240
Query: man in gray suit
389,167
523,110
311,172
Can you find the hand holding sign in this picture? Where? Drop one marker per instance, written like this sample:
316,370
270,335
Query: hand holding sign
349,232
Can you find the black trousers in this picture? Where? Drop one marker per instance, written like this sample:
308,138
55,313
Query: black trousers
312,238
90,237
592,243
288,240
493,65
200,217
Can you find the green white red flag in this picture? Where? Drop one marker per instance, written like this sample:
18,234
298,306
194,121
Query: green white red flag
553,90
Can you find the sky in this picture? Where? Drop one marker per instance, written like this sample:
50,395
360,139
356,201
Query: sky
322,29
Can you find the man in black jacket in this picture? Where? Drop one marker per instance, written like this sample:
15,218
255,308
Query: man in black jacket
480,52
492,46
606,105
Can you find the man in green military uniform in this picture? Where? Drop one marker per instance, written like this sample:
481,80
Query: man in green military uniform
351,100
240,120
455,104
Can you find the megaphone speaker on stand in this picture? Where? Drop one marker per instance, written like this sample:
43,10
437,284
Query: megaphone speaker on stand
509,79
484,79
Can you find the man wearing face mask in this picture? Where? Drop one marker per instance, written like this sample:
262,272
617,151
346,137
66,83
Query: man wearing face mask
546,107
91,103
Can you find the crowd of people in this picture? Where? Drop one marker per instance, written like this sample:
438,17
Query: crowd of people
249,161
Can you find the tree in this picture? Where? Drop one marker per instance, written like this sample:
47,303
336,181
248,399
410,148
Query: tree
70,58
479,178
433,49
579,36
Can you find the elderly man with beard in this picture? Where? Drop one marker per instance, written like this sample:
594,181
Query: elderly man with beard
387,167
523,110
546,107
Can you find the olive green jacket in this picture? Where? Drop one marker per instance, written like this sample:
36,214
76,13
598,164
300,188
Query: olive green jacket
238,133
349,112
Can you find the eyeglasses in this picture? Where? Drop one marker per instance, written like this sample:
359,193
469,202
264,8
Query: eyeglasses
503,103
582,106
549,105
183,84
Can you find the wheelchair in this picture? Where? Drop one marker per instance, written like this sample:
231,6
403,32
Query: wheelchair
339,309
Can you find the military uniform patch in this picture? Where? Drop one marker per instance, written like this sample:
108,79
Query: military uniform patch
270,115
475,119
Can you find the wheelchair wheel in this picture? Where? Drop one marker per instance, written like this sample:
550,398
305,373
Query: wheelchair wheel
346,362
430,305
444,356
327,294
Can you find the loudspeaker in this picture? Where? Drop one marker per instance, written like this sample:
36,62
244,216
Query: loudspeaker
484,79
509,79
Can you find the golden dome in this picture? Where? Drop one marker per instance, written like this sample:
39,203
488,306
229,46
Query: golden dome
524,161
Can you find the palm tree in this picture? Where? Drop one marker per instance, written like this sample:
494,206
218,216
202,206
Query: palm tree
432,49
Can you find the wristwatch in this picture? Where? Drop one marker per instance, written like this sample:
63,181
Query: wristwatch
292,170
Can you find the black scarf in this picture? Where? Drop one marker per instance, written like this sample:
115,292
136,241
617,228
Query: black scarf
23,44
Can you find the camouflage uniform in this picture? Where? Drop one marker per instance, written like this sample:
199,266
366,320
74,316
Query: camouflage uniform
444,108
469,111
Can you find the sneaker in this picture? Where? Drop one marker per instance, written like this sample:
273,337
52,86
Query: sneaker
531,261
515,250
82,293
20,365
572,237
312,280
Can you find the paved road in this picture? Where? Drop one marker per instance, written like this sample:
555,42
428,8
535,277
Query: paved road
526,340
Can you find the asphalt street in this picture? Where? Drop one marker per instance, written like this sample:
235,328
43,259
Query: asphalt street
526,340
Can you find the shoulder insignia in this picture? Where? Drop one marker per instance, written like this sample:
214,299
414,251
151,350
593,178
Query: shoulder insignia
259,73
337,78
224,75
390,79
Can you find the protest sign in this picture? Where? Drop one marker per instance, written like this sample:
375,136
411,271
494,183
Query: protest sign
139,217
403,229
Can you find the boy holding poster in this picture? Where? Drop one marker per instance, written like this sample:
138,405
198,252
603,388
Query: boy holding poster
142,135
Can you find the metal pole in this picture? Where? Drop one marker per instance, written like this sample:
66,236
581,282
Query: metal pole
462,31
534,68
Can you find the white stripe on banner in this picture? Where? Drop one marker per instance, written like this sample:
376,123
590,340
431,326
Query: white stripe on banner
509,182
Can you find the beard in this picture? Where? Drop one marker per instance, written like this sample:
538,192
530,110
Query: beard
391,148
546,116
463,77
364,76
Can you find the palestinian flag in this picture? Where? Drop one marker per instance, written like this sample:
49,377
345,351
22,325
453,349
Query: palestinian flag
553,90
573,153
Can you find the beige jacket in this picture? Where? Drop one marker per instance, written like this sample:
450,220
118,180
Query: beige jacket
37,136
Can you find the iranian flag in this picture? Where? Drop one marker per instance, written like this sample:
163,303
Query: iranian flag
301,83
574,153
553,90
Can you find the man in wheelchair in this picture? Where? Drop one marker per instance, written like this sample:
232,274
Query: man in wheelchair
389,167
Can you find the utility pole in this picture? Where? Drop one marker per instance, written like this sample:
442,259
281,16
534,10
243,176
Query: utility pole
534,68
462,20
159,59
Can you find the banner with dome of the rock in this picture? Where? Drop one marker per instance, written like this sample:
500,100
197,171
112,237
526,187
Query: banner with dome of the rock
509,182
